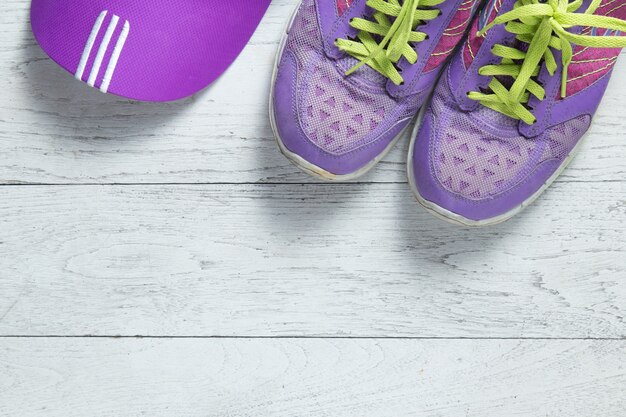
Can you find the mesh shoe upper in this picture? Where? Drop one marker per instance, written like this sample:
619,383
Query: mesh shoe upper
337,113
481,164
356,116
481,154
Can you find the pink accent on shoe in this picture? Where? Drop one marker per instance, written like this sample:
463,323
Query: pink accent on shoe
473,43
452,35
591,64
343,5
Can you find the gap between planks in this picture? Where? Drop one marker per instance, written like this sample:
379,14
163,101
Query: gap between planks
312,183
88,336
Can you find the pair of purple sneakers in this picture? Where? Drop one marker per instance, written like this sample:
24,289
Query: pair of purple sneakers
516,84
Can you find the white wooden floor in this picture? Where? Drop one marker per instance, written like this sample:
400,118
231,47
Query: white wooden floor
166,260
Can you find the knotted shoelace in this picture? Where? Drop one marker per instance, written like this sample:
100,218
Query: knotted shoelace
542,25
382,42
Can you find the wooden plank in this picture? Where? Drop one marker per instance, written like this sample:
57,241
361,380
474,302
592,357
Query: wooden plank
353,260
308,377
56,130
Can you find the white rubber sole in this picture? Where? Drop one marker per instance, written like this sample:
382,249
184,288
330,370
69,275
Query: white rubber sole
297,160
457,219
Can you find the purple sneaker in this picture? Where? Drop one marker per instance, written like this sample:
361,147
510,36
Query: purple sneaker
338,126
511,108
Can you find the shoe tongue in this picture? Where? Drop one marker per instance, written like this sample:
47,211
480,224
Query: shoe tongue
512,42
496,119
364,75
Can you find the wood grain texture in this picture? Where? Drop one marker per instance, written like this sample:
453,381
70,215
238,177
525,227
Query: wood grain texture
56,130
335,300
308,377
327,260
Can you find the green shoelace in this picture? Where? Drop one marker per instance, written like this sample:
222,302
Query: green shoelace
542,26
396,39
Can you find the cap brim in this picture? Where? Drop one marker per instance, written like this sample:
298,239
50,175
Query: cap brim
157,50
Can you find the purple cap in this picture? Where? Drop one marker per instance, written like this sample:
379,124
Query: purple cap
151,50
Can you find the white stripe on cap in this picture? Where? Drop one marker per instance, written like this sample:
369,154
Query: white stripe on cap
89,45
108,75
102,51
